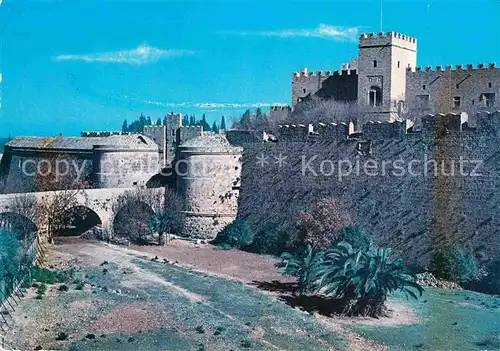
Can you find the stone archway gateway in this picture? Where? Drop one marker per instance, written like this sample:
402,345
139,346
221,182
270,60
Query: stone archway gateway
79,220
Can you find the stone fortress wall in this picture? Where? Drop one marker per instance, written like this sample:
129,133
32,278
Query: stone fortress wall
466,88
408,213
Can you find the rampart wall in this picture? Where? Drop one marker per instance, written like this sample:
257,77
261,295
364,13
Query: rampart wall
440,201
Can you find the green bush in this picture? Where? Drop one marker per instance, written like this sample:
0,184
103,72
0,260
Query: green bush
355,236
41,289
235,235
271,240
489,284
61,336
63,287
47,276
453,264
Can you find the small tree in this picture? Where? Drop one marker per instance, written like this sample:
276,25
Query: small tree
125,126
59,208
25,209
223,123
215,129
319,227
327,111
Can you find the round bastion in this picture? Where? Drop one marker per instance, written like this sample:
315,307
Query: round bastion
208,177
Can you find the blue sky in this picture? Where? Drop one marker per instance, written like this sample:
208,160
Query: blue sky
79,65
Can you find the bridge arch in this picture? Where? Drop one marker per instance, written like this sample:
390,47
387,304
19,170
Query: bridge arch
78,220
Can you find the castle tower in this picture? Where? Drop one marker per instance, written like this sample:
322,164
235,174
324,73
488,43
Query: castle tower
208,177
383,61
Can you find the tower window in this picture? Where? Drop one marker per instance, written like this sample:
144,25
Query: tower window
399,64
423,87
304,91
457,86
375,96
488,98
374,63
489,85
456,102
473,102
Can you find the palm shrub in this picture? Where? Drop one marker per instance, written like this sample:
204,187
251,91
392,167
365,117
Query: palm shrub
355,236
237,234
161,222
362,278
453,264
299,265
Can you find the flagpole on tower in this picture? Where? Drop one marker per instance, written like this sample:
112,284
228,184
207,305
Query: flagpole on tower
381,14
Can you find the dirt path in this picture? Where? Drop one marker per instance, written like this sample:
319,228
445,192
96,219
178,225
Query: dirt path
234,265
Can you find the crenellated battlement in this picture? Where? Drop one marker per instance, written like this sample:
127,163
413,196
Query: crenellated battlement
442,124
457,67
281,108
153,128
322,74
385,130
387,35
368,40
94,134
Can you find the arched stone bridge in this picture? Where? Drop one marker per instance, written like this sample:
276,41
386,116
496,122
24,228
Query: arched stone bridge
99,201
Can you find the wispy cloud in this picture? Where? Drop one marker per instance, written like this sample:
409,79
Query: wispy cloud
212,105
324,31
141,55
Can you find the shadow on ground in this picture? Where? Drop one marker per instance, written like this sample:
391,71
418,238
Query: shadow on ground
289,293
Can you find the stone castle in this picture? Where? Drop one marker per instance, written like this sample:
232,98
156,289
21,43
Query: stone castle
385,80
261,179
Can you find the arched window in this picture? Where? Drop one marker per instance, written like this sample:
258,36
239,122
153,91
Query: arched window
375,96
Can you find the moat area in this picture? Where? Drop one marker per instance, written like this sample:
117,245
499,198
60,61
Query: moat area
197,297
